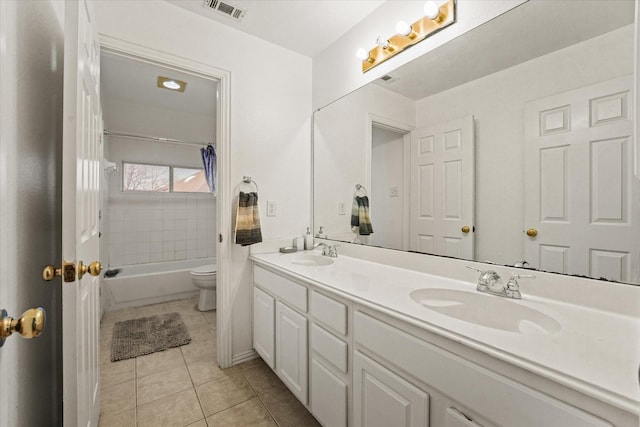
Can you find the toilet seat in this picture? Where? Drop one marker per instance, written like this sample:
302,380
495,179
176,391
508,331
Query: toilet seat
204,270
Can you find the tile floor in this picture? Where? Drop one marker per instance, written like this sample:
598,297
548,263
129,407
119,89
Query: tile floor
184,386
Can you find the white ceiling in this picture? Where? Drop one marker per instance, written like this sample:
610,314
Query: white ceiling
136,82
304,26
533,29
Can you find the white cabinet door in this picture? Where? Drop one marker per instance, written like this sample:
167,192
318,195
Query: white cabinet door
291,350
328,396
382,399
263,326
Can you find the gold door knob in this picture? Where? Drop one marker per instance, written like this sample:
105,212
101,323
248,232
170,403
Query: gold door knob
50,272
466,229
93,269
532,232
29,325
68,272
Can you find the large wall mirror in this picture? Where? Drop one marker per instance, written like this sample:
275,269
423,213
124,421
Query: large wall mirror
512,144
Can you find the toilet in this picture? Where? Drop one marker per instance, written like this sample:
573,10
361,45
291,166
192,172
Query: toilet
204,277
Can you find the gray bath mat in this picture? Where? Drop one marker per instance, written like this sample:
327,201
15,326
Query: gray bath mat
146,335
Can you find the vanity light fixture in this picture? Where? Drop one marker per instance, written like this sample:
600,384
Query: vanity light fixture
171,84
438,15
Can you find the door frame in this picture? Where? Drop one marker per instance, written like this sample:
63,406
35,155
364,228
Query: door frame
118,47
406,129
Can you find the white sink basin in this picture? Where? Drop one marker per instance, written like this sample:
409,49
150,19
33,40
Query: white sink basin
487,310
312,260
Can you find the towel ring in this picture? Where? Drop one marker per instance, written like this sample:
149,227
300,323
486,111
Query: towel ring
360,187
248,180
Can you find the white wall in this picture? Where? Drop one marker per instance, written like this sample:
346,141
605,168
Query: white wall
337,71
341,148
270,117
497,103
387,171
124,116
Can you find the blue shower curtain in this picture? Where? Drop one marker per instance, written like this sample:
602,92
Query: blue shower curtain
210,166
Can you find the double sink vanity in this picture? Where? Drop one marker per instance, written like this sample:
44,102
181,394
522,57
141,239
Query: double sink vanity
364,343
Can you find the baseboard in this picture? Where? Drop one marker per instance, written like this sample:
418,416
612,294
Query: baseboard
244,357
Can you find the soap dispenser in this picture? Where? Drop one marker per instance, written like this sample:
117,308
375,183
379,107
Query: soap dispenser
308,240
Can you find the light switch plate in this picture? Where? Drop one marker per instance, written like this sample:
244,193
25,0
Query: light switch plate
342,209
271,208
394,191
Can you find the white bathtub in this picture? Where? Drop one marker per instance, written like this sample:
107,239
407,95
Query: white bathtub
143,284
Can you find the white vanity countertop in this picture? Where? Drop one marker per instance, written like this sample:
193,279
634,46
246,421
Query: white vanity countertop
595,352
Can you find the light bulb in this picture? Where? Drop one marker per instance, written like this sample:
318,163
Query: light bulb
431,9
403,28
170,84
362,54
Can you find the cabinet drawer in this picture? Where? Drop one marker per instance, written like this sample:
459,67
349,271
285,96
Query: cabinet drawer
329,312
330,347
294,294
452,375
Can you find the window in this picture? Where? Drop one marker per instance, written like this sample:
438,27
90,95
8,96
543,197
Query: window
162,179
189,180
138,177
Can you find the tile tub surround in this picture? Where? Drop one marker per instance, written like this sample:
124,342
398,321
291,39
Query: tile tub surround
146,228
596,352
184,386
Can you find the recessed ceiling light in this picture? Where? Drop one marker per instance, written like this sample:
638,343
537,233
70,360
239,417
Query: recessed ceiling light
171,84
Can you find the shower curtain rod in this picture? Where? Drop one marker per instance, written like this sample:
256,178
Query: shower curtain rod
156,138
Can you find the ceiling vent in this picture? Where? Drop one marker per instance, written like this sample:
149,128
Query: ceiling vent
388,79
224,9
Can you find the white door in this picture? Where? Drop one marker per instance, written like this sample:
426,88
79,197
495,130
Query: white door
30,195
80,210
263,326
581,194
442,189
291,350
382,399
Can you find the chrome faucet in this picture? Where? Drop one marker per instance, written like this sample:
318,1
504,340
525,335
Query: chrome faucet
327,250
490,282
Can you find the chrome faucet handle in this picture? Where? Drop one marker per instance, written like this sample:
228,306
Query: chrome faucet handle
513,288
333,252
489,280
513,280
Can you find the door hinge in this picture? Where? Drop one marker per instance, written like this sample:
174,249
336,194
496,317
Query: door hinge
220,237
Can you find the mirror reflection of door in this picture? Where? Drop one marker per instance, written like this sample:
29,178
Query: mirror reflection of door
442,189
580,187
389,192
